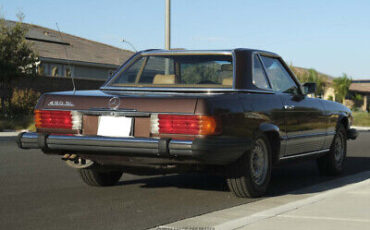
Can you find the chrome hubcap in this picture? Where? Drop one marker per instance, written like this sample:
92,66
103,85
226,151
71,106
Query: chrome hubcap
259,162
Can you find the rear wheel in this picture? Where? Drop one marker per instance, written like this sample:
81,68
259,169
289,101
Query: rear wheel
98,175
250,176
332,163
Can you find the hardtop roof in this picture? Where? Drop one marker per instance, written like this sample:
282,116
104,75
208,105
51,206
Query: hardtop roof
203,52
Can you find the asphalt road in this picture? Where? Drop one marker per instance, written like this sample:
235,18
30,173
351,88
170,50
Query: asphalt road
40,192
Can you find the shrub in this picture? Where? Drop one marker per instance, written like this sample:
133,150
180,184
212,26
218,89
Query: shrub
22,103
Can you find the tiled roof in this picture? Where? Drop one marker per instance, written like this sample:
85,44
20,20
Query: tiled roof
360,87
49,44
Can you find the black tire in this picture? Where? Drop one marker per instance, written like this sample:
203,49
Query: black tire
100,176
331,164
242,182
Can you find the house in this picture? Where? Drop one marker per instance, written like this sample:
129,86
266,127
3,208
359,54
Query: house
303,76
65,55
329,92
361,87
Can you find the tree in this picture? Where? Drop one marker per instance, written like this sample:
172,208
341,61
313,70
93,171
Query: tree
357,97
311,75
16,57
341,86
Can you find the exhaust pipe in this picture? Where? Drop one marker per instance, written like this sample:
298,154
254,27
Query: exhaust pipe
69,157
74,161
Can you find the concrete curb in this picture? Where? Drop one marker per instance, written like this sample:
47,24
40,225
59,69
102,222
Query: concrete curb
361,128
9,134
246,214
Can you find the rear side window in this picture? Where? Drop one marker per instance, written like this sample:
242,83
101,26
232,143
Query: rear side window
280,79
259,77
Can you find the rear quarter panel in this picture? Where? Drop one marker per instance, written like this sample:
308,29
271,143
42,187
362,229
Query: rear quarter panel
243,114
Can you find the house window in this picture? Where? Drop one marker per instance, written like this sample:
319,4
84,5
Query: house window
41,70
67,71
54,71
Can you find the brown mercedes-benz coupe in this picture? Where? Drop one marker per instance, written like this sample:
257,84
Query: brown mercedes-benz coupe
233,111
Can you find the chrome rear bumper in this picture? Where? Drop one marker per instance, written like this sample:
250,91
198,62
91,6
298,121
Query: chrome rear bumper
142,146
214,150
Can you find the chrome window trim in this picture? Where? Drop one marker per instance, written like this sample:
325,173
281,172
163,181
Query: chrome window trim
256,91
123,67
160,93
234,69
256,54
179,90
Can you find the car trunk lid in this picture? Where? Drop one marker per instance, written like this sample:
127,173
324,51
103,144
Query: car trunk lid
94,104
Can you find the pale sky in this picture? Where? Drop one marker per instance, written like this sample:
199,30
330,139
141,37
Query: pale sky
332,36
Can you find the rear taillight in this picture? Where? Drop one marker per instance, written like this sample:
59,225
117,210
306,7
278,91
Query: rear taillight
184,124
56,119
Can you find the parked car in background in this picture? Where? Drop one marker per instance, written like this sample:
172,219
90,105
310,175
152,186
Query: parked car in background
233,111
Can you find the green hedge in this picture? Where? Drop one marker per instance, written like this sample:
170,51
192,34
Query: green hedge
18,113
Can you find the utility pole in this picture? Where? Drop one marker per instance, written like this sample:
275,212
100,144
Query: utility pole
168,35
168,25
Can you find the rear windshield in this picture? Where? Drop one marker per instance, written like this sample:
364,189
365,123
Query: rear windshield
203,71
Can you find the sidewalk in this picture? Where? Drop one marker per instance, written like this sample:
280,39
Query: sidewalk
343,203
345,210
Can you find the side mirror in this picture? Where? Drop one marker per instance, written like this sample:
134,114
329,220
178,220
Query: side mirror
309,87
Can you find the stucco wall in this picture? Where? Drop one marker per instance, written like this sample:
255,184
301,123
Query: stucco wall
329,93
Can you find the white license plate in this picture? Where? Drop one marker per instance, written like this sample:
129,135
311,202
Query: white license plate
114,126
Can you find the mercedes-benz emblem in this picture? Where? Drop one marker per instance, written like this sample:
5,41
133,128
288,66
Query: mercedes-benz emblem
114,103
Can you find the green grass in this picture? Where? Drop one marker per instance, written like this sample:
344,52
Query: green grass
25,122
361,119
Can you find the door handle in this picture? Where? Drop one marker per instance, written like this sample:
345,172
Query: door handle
288,107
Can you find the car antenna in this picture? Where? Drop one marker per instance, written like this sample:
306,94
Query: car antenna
68,61
130,44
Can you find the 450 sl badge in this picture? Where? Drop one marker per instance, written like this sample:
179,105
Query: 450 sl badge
61,103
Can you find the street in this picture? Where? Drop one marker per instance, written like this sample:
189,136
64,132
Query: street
40,192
